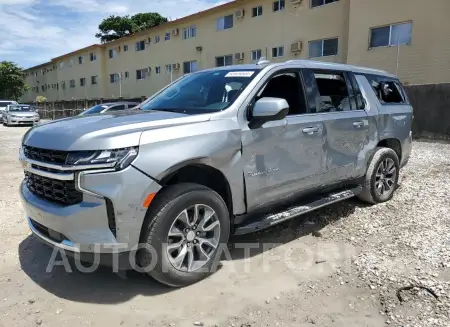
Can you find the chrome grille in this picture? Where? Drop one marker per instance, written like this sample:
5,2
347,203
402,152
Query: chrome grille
44,155
62,192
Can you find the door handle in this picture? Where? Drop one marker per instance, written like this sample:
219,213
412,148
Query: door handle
358,124
310,130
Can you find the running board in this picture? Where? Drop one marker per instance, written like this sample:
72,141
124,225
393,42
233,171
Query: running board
256,224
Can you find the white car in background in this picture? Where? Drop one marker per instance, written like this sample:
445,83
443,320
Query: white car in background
3,105
20,114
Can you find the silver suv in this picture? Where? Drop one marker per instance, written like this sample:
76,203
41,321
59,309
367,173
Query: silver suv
223,151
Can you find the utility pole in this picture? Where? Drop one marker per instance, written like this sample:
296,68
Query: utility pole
398,55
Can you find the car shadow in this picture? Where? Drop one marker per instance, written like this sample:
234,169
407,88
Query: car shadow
103,286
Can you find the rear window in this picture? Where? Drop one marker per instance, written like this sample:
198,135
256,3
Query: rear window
387,90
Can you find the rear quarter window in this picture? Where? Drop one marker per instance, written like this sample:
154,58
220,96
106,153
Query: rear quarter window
388,90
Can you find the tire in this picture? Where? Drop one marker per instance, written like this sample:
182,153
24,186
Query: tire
370,194
161,218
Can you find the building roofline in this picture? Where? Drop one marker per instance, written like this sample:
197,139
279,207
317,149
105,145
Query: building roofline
79,50
169,24
178,21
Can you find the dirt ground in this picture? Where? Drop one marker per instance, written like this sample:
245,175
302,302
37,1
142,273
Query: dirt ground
340,266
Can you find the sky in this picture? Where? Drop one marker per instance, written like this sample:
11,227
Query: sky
35,31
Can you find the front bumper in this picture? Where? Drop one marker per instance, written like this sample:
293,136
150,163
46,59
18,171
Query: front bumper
86,227
22,120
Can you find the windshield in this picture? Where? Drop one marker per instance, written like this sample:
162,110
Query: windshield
202,92
20,108
95,109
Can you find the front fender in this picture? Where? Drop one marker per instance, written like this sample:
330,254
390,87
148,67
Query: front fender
216,144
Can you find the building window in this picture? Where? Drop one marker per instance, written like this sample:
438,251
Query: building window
224,61
112,53
189,67
93,80
323,48
224,23
278,5
318,3
140,45
70,62
277,52
82,81
157,39
391,35
190,32
141,74
92,56
168,69
114,78
256,55
167,36
127,74
81,60
125,48
257,11
72,83
158,70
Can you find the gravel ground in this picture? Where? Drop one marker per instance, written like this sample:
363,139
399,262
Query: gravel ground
340,266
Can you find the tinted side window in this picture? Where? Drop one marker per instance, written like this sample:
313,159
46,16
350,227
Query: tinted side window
332,91
286,85
387,90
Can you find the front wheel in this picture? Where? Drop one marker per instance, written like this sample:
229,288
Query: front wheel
382,177
185,230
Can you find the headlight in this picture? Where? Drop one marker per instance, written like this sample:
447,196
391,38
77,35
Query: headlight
118,158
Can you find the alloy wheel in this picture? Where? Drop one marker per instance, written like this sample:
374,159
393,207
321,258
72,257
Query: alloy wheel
385,177
193,238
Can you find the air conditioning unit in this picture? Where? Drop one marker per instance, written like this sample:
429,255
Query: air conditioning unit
239,13
239,56
175,31
176,66
297,47
296,3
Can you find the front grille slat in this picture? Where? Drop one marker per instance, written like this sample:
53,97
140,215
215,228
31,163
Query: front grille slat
62,192
54,190
45,155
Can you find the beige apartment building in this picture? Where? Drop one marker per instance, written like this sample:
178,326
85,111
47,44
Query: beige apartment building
407,37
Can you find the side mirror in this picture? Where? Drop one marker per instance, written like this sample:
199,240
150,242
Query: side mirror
268,109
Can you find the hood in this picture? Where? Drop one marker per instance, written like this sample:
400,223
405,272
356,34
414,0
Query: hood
23,113
103,131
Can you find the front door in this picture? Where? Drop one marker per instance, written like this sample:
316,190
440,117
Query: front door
346,126
282,158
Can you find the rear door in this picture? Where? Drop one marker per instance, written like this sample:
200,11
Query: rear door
346,134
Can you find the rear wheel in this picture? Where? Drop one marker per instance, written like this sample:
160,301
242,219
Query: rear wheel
382,177
184,231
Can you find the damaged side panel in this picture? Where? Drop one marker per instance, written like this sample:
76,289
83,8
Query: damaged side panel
216,144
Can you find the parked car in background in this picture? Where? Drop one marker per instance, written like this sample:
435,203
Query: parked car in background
109,107
228,150
20,114
3,105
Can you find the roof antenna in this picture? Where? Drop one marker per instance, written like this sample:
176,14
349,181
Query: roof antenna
263,61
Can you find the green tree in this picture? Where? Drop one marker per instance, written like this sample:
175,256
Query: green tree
12,83
40,99
116,27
